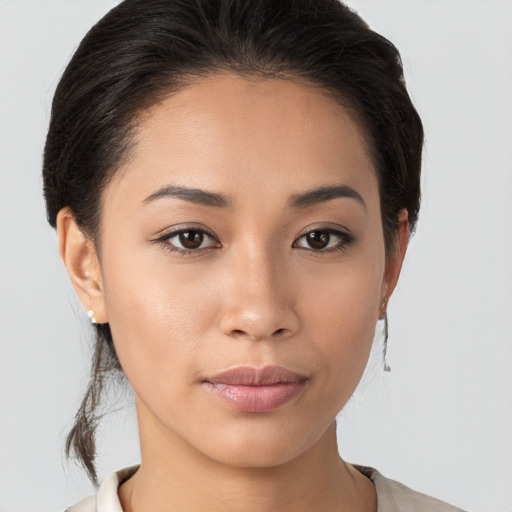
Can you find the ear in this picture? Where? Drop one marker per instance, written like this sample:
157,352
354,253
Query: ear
395,259
78,253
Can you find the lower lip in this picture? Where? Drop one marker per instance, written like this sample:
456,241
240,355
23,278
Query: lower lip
256,398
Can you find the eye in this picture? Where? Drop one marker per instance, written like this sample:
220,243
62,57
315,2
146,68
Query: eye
188,240
325,240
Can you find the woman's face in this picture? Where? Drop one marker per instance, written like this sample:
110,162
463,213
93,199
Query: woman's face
243,233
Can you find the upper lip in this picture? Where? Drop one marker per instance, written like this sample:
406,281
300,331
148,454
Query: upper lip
251,376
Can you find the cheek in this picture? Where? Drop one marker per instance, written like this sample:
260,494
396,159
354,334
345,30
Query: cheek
158,316
342,315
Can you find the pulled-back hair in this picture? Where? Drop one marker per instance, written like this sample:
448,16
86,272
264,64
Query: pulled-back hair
144,50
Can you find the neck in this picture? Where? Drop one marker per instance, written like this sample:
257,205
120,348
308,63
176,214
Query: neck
174,476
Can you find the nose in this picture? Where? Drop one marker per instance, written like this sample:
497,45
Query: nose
259,300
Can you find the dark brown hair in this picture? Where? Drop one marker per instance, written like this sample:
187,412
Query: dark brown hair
143,50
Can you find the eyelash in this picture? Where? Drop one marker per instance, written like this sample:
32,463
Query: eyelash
346,240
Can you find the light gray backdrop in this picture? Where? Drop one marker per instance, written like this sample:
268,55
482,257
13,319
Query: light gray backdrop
441,422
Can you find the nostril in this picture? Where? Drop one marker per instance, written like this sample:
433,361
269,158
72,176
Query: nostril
241,332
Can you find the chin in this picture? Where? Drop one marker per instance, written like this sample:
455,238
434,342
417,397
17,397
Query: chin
256,458
259,447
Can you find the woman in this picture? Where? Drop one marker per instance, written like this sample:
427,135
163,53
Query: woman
233,185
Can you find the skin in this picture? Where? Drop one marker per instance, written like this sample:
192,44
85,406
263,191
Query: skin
255,294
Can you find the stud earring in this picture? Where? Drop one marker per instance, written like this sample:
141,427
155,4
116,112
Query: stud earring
90,314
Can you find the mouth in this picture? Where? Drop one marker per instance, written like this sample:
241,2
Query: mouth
250,389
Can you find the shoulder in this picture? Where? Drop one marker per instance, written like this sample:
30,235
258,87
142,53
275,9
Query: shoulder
392,496
86,505
106,499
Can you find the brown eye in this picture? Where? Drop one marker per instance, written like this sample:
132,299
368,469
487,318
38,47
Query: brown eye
318,239
188,241
325,240
191,239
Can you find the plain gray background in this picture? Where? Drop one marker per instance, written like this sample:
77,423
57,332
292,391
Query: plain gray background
441,422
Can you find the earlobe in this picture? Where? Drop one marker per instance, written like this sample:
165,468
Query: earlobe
78,253
395,259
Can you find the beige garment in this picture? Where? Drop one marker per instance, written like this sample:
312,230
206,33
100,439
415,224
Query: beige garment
392,496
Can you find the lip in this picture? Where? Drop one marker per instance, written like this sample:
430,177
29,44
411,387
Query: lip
250,389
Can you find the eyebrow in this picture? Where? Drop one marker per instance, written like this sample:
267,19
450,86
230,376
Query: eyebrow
192,195
215,200
322,194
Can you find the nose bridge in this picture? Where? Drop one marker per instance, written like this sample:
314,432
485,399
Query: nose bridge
260,301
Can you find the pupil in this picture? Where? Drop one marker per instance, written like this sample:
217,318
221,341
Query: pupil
191,239
318,239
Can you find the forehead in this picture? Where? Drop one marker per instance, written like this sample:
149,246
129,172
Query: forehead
262,136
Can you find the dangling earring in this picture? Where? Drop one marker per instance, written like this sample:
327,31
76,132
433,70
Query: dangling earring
90,314
387,368
384,316
383,303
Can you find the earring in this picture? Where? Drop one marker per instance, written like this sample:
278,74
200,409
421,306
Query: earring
383,304
387,368
90,314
